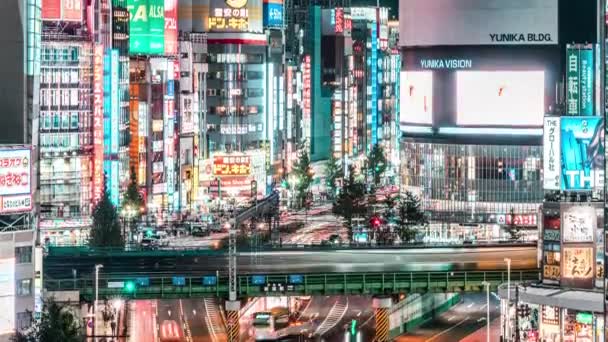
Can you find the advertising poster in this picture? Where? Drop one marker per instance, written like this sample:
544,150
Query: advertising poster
579,80
416,97
147,26
577,267
551,154
578,223
550,324
582,153
273,13
170,27
62,10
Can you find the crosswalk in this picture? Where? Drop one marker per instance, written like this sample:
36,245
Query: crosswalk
335,315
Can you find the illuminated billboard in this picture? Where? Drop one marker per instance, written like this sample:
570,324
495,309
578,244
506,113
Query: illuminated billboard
551,154
582,153
578,223
228,165
15,180
273,13
235,16
579,80
478,22
416,104
577,267
146,26
62,10
170,27
98,181
500,98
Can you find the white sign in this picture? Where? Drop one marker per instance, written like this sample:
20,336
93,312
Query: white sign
15,171
478,22
416,97
551,154
578,224
116,284
18,203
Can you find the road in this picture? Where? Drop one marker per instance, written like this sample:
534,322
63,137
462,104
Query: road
370,260
457,323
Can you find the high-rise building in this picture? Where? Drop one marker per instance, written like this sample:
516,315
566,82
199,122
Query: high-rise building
20,259
471,114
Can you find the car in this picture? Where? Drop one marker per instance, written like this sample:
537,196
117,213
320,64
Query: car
148,243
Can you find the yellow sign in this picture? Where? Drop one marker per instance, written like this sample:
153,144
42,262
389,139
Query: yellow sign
236,3
578,262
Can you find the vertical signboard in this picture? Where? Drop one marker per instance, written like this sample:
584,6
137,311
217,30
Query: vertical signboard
579,224
170,27
551,154
97,122
146,26
580,80
306,96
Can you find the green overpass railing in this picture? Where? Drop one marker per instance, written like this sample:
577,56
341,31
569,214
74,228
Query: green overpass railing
290,284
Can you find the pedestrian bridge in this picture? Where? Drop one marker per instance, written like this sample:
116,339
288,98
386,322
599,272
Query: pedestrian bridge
289,284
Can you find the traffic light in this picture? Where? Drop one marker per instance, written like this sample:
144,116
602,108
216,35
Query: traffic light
129,286
375,222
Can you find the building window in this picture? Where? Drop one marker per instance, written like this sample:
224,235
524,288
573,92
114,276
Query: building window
24,320
23,255
24,287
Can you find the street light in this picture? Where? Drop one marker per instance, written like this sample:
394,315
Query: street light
97,267
487,285
508,319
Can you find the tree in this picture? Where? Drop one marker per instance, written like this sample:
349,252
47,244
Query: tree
333,172
132,198
350,202
303,174
410,215
106,230
57,323
376,164
512,228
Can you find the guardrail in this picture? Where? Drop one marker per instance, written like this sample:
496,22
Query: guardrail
290,284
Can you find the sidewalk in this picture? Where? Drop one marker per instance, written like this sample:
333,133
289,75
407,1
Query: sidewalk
480,335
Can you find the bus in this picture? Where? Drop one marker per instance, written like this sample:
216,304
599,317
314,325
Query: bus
170,331
268,323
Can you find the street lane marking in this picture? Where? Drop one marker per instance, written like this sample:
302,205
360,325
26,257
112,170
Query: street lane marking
448,329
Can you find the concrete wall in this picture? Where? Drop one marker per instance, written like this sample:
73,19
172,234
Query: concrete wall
418,309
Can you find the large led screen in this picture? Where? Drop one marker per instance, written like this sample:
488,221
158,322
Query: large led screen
500,98
416,97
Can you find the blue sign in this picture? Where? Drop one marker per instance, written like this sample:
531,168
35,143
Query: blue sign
296,279
179,281
258,280
582,143
142,281
273,15
209,280
170,88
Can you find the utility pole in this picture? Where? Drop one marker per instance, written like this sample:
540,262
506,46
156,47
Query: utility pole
233,306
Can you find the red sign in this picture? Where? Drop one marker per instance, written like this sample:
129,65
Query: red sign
97,122
521,220
306,87
171,27
62,10
339,20
231,166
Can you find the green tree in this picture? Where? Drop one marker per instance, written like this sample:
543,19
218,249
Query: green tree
350,202
304,176
376,164
132,198
333,172
57,323
106,230
410,216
